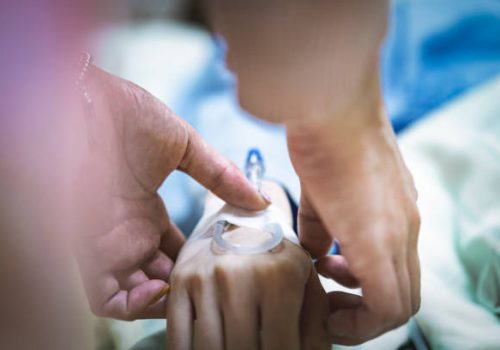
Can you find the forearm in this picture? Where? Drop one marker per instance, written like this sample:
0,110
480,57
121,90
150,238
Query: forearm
296,59
317,143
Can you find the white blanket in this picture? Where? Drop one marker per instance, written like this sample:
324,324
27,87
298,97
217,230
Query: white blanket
454,156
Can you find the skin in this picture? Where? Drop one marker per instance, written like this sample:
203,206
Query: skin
270,301
125,241
116,192
314,67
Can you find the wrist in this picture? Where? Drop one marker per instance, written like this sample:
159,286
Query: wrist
348,137
363,116
358,109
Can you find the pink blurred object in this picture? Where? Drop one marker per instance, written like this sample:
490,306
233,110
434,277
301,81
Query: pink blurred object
40,42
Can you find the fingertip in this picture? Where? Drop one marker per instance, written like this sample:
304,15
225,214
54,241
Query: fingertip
219,175
265,196
336,267
235,189
145,295
315,242
159,267
157,310
160,294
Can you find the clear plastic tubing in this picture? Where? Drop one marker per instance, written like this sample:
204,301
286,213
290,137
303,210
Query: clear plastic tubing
254,167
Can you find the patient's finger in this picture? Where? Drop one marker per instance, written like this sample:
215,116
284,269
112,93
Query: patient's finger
208,331
180,319
240,310
280,319
335,267
218,175
314,315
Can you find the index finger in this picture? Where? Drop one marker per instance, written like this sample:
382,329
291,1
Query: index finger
180,319
217,174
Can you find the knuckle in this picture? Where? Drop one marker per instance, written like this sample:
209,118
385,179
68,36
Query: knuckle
197,280
97,310
297,274
393,316
222,277
401,317
384,233
402,320
394,236
416,305
175,275
281,276
179,276
269,272
128,316
415,220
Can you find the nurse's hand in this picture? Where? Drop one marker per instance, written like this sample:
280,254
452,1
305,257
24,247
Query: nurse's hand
313,65
357,189
126,243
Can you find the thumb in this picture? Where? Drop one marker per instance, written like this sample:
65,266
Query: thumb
312,233
217,174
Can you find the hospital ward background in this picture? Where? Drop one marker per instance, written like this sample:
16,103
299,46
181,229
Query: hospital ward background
441,83
440,77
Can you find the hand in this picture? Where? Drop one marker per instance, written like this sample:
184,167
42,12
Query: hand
265,301
127,244
356,188
313,66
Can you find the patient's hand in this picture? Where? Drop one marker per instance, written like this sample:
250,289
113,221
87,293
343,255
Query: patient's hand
271,301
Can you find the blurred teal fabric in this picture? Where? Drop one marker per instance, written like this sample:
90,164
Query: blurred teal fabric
454,156
435,51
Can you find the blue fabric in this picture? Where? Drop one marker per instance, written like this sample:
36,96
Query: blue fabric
436,50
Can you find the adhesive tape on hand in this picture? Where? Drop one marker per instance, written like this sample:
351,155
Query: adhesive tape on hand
259,220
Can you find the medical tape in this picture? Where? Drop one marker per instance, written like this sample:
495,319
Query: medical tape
260,220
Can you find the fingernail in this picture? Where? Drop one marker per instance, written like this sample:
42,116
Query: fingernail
265,196
160,294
